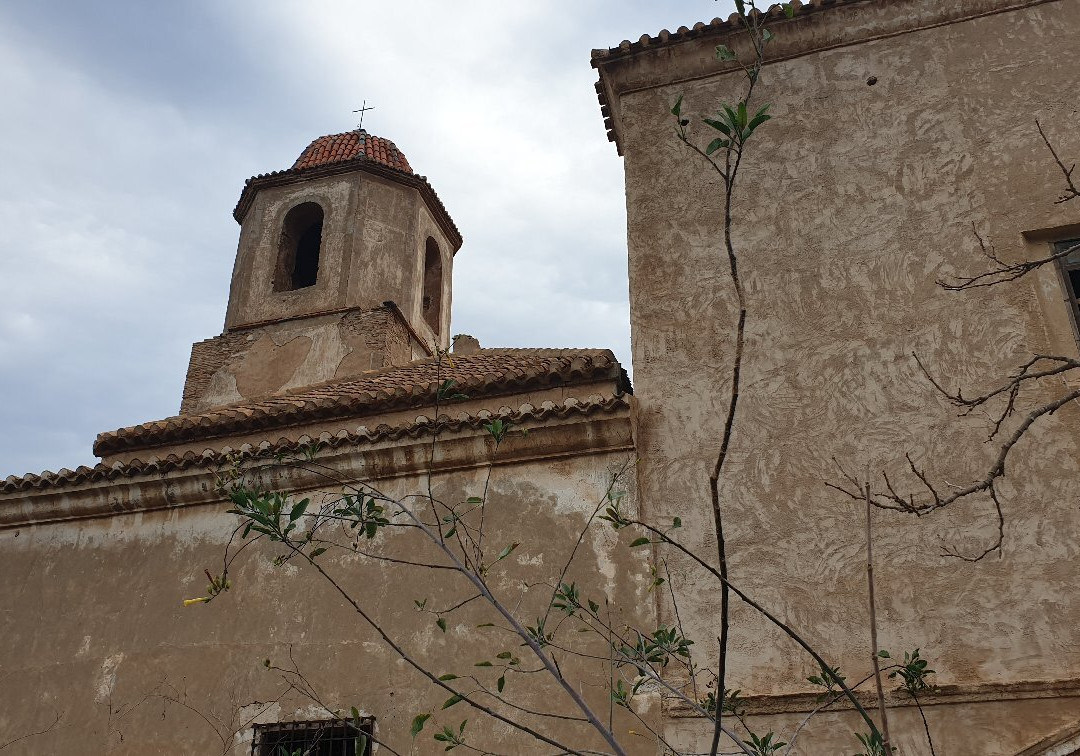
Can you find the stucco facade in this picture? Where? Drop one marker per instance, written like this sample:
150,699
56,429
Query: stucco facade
900,127
897,128
100,654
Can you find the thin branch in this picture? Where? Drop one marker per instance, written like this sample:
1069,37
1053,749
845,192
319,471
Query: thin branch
21,738
926,725
784,627
407,658
530,641
1071,192
996,546
1001,271
890,499
874,648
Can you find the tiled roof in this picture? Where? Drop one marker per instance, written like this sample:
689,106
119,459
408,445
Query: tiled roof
700,29
340,153
339,148
420,427
485,373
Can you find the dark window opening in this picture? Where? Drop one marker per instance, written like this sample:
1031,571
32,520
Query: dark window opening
335,737
298,251
1070,270
431,300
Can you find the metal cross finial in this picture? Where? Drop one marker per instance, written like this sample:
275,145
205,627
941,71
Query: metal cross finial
363,109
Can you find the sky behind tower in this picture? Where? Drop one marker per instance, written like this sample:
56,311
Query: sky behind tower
131,126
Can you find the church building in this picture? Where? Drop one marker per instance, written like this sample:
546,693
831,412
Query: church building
908,137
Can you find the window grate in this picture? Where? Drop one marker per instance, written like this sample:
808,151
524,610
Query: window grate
1069,266
332,737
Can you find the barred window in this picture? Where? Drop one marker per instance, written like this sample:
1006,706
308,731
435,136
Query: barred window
1070,271
332,737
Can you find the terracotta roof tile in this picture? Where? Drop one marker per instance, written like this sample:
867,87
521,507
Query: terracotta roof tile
420,427
353,150
717,25
352,145
485,373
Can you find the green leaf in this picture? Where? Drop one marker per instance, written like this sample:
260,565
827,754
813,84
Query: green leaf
639,542
884,654
593,606
503,655
486,624
451,701
789,10
677,522
723,52
506,552
759,118
716,144
450,533
718,125
318,551
418,724
447,677
474,500
483,664
441,623
298,511
501,683
767,36
676,110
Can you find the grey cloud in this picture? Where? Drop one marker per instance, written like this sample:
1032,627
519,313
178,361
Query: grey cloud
130,126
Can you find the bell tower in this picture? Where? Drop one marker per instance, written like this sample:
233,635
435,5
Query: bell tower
344,265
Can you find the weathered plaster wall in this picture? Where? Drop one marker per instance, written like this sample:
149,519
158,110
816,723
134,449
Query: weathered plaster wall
853,201
132,672
374,232
429,228
255,362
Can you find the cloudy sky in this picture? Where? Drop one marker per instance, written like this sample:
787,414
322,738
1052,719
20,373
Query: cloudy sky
129,127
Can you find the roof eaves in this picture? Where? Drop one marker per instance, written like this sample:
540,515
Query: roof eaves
361,163
422,426
326,402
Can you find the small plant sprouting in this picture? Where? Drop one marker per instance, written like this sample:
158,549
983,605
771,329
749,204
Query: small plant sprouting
826,679
764,745
913,672
498,428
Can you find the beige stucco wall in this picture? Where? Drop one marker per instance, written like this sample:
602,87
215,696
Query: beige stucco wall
373,240
94,629
251,363
853,201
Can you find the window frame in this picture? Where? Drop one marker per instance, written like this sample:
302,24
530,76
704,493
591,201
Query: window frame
1064,268
260,732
